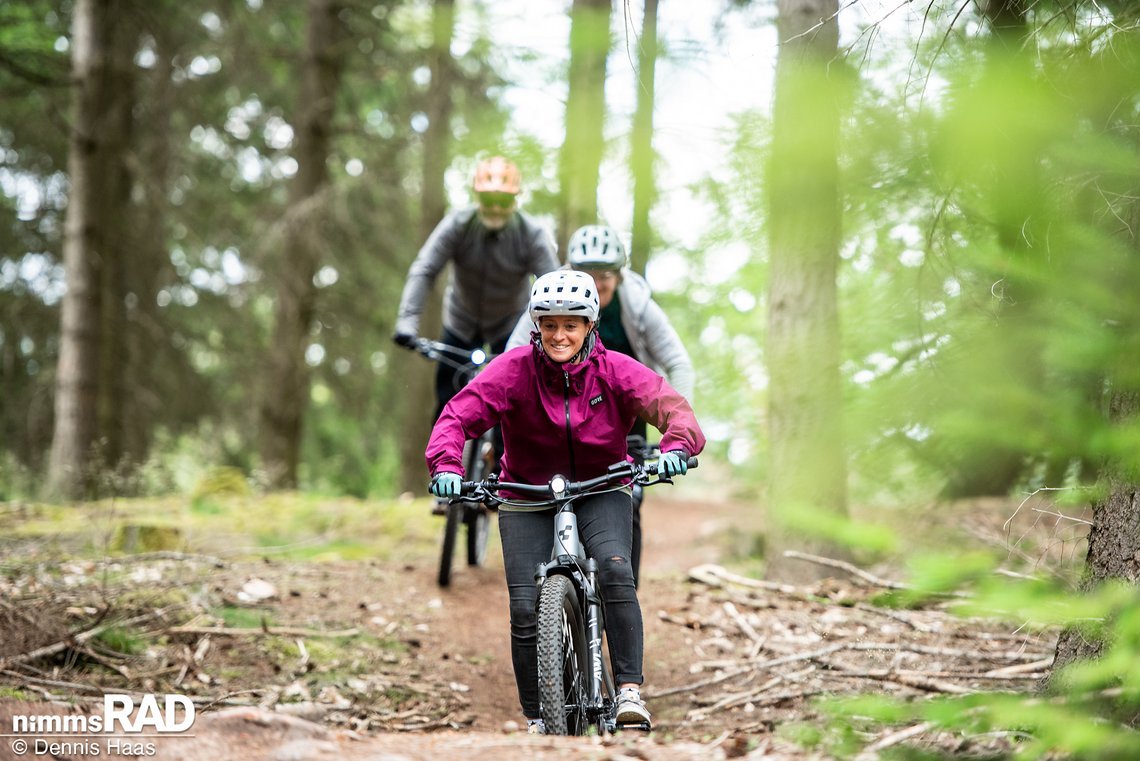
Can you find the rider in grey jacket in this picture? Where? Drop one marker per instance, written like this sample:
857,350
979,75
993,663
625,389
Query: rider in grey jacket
630,322
494,250
650,336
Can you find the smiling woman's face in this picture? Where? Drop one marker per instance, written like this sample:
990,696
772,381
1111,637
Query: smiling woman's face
563,336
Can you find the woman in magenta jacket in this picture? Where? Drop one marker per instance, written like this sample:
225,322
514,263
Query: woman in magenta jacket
564,405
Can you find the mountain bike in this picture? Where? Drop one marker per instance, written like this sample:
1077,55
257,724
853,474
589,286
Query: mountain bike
478,462
577,694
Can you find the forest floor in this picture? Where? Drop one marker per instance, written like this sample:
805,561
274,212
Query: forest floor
332,658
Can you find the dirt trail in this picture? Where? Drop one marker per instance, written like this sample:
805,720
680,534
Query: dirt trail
467,627
457,640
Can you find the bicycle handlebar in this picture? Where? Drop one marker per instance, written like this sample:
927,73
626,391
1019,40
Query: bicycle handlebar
490,487
469,361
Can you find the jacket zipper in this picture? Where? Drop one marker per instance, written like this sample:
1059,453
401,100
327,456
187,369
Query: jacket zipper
569,432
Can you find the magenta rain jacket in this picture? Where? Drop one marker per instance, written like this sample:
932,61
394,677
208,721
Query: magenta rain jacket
569,419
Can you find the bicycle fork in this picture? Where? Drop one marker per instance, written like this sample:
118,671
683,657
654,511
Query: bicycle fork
595,627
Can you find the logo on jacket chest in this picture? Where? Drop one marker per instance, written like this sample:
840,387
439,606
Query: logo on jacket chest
596,400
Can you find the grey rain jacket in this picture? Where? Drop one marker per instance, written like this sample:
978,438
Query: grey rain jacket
490,277
655,343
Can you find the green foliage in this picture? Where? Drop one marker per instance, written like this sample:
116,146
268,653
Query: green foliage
1043,603
854,533
132,538
1045,729
219,482
243,618
286,525
122,640
17,480
939,574
1117,668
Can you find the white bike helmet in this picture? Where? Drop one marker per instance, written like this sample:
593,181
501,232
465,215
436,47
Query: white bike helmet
596,247
564,292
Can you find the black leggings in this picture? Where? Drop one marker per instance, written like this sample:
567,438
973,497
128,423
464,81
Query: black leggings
605,525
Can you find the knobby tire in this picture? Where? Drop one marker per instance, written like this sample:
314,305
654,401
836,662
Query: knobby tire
477,519
474,517
563,666
478,524
455,513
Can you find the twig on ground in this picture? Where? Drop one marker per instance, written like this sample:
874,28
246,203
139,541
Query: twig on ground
745,627
654,694
144,557
751,696
717,576
907,678
892,739
917,674
1029,669
896,615
845,566
283,631
75,640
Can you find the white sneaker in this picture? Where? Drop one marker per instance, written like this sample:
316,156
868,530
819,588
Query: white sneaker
630,707
535,727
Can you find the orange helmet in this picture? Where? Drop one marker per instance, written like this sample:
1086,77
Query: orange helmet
497,175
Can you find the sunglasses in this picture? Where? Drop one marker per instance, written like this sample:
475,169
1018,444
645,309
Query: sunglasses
497,200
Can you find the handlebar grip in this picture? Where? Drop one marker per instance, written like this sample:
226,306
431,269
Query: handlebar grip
652,469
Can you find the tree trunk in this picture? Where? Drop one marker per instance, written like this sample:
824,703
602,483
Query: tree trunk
641,148
420,391
807,462
145,332
286,391
92,241
1114,553
114,389
581,157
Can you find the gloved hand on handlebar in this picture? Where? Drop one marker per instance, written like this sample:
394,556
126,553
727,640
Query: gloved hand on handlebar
407,340
445,485
673,463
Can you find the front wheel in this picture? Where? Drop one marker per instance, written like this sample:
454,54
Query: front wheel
478,524
562,659
477,458
450,531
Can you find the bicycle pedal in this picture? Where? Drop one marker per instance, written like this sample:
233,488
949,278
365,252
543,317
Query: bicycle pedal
641,726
